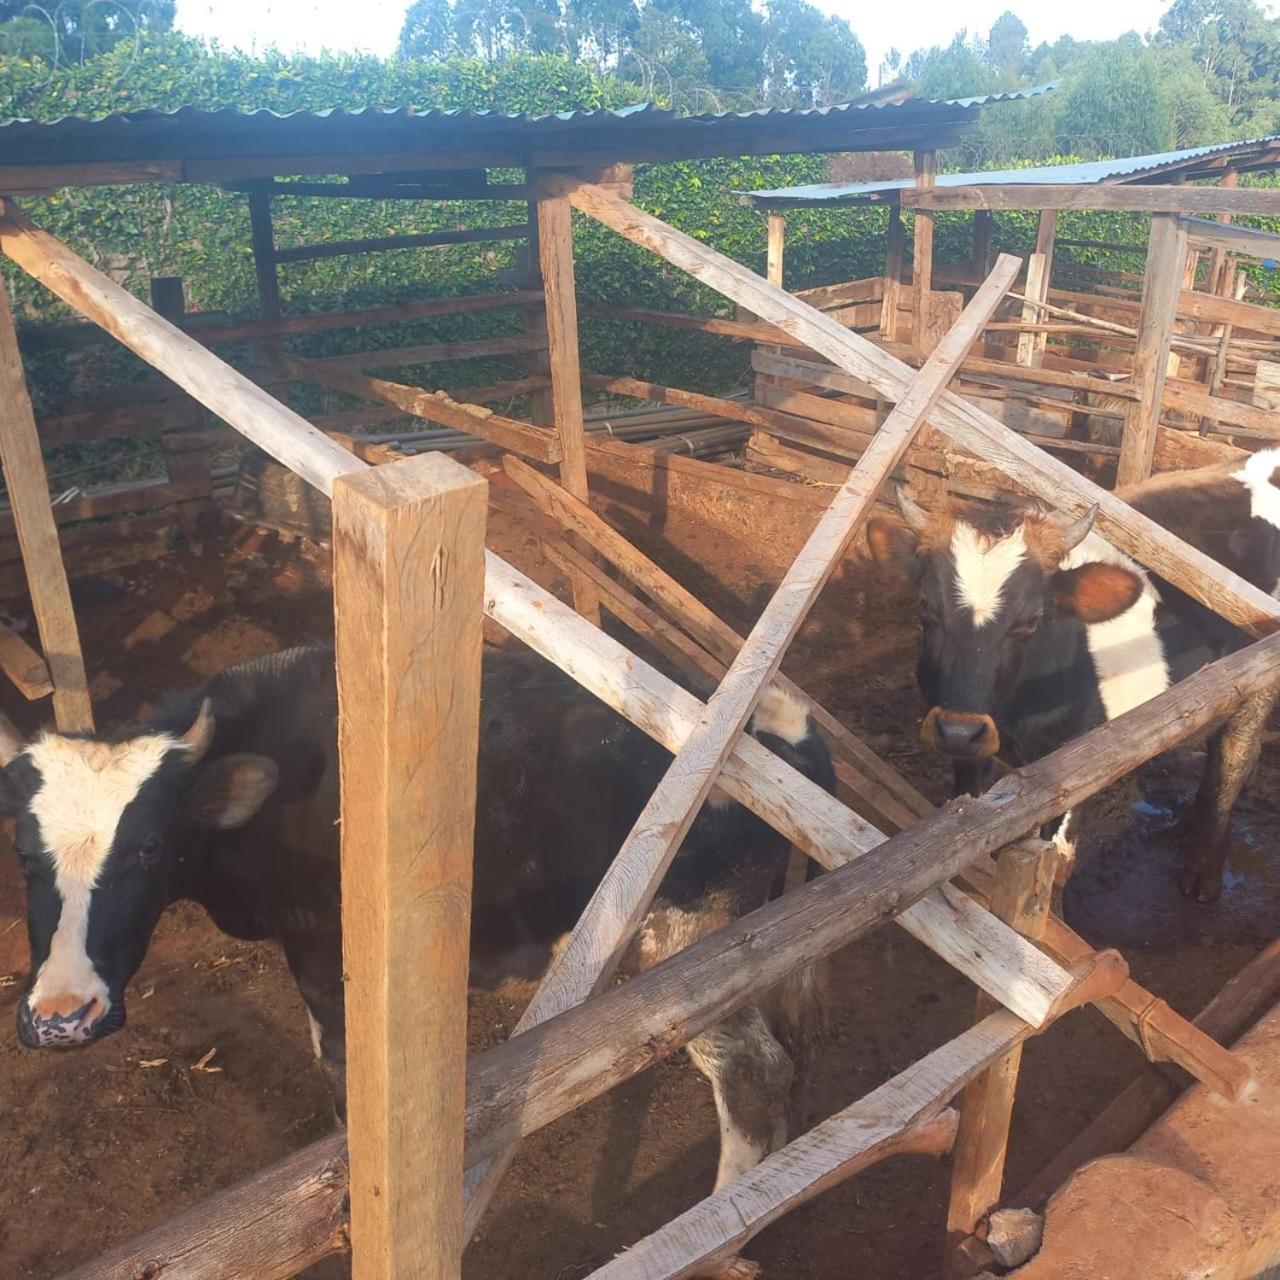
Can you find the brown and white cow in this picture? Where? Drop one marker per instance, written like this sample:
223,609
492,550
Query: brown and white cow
229,797
1035,629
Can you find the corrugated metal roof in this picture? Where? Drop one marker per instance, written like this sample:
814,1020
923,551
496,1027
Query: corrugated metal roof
192,132
1168,164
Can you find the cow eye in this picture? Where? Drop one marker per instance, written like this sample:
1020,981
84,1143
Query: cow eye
26,860
149,853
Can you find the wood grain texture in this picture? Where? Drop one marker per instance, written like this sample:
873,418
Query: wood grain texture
775,247
1030,344
433,406
891,300
408,544
23,665
28,486
1021,897
926,166
288,438
1166,257
974,431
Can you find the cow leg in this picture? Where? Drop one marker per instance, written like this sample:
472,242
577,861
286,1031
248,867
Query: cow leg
750,1076
1233,753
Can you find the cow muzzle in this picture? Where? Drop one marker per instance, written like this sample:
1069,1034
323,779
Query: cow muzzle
962,735
63,1022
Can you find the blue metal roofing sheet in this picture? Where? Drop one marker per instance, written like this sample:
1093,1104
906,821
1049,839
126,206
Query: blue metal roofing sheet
1123,169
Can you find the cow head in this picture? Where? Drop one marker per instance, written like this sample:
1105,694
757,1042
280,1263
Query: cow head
986,591
102,828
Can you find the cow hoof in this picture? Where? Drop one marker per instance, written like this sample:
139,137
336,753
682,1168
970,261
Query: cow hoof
1200,885
731,1268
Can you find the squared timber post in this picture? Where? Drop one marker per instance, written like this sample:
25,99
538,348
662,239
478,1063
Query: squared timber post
1021,897
408,543
893,247
554,225
980,259
776,245
263,241
28,485
922,263
1162,285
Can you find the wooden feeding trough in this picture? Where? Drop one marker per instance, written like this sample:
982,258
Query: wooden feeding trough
430,1134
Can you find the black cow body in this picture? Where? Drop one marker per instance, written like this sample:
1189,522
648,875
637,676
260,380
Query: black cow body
229,797
1036,630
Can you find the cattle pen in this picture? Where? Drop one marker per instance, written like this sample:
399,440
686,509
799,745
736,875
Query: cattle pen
430,1133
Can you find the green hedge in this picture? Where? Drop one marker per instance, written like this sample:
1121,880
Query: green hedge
202,233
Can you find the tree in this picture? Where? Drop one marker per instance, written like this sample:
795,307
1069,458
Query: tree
1007,44
811,59
1112,107
71,31
1236,45
957,71
427,31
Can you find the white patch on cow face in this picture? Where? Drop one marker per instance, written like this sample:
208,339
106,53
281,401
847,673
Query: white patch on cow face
983,567
1264,497
85,787
782,715
1128,657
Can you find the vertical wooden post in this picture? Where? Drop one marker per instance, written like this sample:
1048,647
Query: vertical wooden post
926,163
777,241
28,485
169,297
1037,287
1021,897
533,320
408,550
1221,268
893,252
263,240
555,256
1047,238
1162,283
983,226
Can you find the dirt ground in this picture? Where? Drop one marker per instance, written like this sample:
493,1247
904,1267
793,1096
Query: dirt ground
97,1145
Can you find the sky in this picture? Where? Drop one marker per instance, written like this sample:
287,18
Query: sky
373,25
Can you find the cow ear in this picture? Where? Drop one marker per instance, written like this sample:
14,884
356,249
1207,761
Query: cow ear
231,790
1096,592
893,548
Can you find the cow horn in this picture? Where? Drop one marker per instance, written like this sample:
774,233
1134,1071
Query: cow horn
912,512
1074,532
196,740
11,741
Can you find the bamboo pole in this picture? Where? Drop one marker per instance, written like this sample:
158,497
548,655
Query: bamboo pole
408,555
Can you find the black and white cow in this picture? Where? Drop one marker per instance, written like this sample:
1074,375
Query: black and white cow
229,797
1035,629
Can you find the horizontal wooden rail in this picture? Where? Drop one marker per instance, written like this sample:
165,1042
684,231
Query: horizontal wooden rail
378,244
434,406
1246,241
1109,195
211,329
698,324
526,1083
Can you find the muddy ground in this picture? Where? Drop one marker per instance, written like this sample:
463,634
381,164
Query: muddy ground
98,1145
